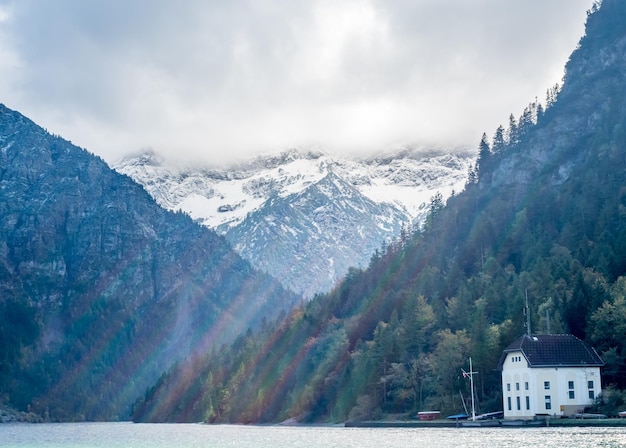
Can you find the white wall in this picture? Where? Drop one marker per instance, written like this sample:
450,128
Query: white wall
517,376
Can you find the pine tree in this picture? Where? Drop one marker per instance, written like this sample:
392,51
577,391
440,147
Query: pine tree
540,112
528,119
472,176
484,155
551,95
513,134
498,140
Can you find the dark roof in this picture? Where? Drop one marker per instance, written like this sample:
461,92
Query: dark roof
554,350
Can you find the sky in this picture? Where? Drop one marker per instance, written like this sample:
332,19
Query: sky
224,80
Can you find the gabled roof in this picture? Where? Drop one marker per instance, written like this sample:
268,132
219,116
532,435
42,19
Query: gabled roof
554,350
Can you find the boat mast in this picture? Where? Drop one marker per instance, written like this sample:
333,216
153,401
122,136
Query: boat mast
471,374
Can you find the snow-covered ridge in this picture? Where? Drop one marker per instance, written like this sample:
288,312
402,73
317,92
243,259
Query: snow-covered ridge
305,217
221,199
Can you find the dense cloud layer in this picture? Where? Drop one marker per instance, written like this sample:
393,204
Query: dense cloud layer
226,78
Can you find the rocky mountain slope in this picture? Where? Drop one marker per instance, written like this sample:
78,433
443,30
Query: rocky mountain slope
303,216
101,289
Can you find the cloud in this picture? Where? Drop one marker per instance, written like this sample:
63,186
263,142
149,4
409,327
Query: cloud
221,79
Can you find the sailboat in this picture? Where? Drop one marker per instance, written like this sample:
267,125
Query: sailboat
471,374
488,419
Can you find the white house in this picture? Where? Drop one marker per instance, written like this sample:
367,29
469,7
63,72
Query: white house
550,374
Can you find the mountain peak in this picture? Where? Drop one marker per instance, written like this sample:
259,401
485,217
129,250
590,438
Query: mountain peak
147,157
305,216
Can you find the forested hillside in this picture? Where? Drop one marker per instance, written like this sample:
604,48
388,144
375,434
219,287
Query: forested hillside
101,290
543,216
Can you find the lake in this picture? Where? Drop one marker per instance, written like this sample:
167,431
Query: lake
129,435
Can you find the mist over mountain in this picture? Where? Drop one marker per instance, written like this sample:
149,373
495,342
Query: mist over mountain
542,217
305,216
101,289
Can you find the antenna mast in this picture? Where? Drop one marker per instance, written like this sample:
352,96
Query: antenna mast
527,310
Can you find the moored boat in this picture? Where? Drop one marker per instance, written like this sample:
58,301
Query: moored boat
429,415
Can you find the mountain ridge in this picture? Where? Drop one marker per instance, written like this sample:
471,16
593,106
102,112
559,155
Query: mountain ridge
395,188
89,264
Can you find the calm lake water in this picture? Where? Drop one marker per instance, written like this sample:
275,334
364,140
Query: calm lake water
112,435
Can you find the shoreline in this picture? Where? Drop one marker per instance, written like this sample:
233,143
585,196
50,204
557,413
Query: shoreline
556,422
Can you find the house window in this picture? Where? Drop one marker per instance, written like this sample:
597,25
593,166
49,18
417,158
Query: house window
508,399
508,387
589,384
571,394
592,395
548,402
519,404
516,386
528,403
570,385
526,385
546,385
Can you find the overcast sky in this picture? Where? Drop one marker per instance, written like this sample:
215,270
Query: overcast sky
218,79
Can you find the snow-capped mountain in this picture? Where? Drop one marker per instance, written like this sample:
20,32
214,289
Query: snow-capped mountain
303,216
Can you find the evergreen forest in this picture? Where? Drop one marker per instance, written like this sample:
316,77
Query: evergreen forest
542,218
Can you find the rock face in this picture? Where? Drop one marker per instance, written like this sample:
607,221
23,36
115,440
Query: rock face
101,290
303,216
308,238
